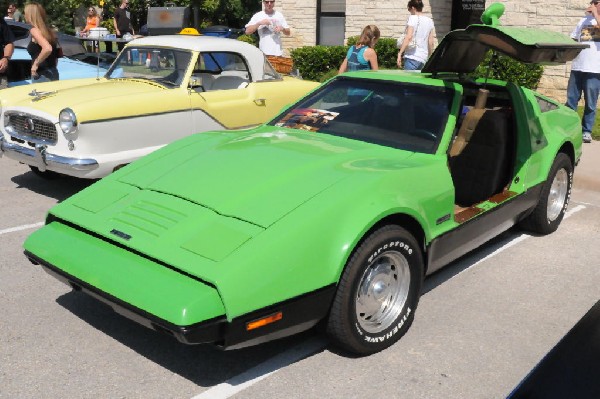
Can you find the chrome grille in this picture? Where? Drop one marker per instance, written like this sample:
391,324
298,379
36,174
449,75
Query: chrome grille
30,128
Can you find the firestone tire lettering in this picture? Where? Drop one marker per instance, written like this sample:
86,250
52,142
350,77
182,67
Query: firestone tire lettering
362,321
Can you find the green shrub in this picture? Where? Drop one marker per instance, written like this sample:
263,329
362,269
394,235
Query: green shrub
508,69
320,63
248,39
315,61
328,75
387,52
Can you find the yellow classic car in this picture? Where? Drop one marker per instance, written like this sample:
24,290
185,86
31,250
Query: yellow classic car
159,89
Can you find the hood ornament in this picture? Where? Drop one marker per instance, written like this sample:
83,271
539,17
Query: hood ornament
39,95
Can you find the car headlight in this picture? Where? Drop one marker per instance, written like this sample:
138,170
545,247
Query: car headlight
67,121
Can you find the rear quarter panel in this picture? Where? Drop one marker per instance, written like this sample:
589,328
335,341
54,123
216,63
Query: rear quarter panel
550,131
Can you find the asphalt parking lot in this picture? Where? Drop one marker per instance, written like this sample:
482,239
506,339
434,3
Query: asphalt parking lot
483,323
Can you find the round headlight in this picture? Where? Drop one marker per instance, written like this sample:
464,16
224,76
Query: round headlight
67,121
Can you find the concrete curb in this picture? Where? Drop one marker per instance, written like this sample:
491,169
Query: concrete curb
587,173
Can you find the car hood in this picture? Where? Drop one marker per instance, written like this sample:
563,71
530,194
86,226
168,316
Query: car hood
89,98
258,176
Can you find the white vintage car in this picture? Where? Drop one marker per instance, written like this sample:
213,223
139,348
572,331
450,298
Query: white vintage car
159,89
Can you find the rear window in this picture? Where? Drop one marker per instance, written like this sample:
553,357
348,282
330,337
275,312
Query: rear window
400,115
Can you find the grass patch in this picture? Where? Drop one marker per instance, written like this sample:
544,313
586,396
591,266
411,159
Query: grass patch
596,129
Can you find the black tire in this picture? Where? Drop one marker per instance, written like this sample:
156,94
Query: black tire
362,321
554,198
47,174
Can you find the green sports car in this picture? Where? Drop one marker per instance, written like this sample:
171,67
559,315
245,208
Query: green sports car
334,211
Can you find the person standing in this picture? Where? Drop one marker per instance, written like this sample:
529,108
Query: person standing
92,21
362,55
585,69
270,24
417,45
122,22
10,12
7,47
18,15
13,13
43,47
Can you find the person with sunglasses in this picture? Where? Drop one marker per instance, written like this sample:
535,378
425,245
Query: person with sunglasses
585,69
91,21
269,24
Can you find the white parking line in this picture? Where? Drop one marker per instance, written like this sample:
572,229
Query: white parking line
514,241
250,377
20,228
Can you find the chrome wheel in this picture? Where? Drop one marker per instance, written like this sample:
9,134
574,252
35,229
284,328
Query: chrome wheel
382,291
558,194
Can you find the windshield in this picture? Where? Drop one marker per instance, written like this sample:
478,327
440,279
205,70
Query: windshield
394,114
164,66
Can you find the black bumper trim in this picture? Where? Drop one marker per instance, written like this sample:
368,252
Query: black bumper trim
299,314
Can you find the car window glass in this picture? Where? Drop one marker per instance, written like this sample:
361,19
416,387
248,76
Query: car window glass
20,32
269,72
399,115
164,66
220,61
546,105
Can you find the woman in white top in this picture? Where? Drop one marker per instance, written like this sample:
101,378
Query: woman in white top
420,27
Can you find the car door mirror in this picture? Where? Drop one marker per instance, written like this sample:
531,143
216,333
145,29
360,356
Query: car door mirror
196,84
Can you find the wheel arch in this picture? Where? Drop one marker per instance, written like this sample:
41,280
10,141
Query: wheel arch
403,220
569,150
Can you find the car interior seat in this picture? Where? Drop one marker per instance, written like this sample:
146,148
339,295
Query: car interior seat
229,82
206,79
478,158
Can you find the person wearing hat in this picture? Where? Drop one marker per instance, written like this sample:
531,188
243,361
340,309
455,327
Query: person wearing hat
585,69
270,24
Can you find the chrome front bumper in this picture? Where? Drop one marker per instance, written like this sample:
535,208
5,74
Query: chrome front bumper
41,159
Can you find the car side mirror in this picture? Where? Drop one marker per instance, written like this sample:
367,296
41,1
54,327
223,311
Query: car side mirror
195,84
195,81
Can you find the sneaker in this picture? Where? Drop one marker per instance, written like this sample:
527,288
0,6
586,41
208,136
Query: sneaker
587,137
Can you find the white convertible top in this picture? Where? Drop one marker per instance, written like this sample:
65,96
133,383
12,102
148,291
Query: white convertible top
255,57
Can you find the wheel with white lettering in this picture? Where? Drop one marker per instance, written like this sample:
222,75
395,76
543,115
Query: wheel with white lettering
554,198
378,292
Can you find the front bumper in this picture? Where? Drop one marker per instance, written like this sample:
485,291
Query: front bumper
159,296
40,158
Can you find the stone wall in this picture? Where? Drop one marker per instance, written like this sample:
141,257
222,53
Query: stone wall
390,16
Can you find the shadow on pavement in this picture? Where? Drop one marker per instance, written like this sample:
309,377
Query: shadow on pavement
60,188
204,365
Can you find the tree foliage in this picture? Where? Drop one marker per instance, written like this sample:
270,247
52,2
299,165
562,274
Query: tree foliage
232,13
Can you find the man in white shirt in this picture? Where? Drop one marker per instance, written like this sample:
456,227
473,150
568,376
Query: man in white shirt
585,70
270,24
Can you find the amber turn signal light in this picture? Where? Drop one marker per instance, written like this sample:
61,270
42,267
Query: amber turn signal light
272,318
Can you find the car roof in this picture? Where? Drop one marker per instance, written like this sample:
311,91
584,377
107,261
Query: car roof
255,57
192,42
461,51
